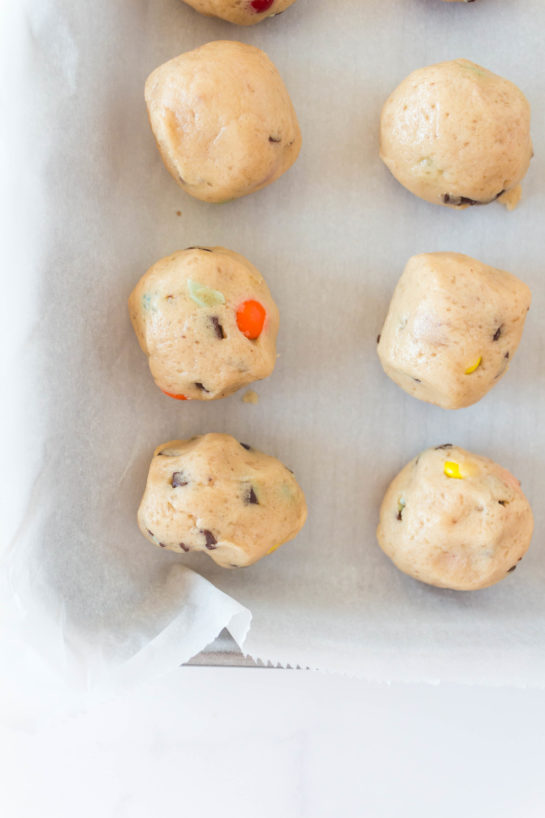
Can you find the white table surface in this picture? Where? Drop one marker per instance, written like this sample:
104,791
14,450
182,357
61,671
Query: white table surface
255,743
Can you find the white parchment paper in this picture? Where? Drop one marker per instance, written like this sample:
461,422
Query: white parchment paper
89,207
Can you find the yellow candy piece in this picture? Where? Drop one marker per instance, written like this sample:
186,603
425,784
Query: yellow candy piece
273,549
474,366
452,469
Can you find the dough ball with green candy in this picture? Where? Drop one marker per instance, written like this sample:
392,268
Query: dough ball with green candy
242,12
207,322
452,328
223,120
222,497
455,520
456,134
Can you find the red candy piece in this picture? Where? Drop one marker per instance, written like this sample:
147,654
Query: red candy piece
261,5
176,397
251,318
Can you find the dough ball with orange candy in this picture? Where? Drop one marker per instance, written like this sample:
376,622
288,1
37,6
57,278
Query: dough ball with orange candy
243,12
207,322
455,520
452,328
222,497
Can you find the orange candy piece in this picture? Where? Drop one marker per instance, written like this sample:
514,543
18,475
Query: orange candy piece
176,397
251,319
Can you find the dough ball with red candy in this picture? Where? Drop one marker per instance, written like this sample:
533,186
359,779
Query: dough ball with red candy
452,328
458,135
223,120
242,12
207,322
455,520
222,497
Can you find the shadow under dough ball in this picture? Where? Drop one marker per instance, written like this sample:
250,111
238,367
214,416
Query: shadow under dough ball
223,120
455,520
242,12
452,328
457,135
222,497
207,322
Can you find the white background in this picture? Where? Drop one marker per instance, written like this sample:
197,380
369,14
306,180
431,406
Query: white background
255,743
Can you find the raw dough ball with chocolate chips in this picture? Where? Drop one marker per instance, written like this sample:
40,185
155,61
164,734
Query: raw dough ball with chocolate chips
223,120
207,322
452,328
216,495
455,134
456,520
243,12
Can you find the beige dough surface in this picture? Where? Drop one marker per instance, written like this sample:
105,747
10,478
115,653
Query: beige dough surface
243,12
184,313
452,328
456,134
223,120
216,495
463,533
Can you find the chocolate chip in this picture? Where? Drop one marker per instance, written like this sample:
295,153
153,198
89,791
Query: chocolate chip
162,545
458,201
506,355
251,497
497,334
444,446
150,532
218,329
201,386
417,380
204,249
210,539
184,547
399,514
275,139
178,479
245,446
512,569
503,502
378,338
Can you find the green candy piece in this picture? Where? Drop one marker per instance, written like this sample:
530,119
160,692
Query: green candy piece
204,296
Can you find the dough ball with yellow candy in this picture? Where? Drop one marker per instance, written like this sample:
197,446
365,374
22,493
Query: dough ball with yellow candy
456,134
455,520
222,497
242,12
207,322
452,328
223,120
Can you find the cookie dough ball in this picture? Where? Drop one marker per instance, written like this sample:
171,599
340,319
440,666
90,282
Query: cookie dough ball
207,322
452,328
243,12
456,520
216,495
455,134
223,120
